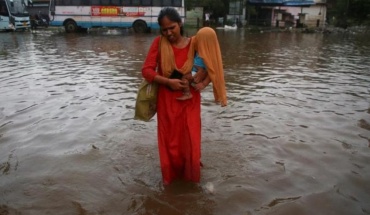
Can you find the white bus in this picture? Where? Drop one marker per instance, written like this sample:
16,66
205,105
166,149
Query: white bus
14,15
141,15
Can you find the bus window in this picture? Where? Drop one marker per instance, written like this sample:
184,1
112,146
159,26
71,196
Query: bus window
66,2
167,3
116,2
126,2
157,3
76,2
58,2
95,2
146,2
105,2
177,3
135,2
3,9
85,3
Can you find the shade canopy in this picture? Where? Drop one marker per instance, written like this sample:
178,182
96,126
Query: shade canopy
291,3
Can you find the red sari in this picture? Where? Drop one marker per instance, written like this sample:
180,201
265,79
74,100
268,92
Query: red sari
179,123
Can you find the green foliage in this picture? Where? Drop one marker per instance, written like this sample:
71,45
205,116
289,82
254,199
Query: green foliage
349,12
359,11
218,8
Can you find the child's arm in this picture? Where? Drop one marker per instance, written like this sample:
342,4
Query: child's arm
200,86
200,75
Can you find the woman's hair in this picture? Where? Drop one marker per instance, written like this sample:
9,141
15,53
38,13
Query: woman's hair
172,14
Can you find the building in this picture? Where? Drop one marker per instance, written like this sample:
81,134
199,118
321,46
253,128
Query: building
288,13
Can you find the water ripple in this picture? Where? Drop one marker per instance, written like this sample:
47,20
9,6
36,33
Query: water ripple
298,115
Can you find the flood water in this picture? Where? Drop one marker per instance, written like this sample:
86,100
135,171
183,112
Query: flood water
294,139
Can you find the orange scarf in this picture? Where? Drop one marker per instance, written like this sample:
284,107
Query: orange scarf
205,42
168,63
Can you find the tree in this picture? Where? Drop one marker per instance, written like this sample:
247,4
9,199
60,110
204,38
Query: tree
349,12
218,8
359,11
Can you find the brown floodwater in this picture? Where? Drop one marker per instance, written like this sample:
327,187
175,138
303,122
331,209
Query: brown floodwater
294,139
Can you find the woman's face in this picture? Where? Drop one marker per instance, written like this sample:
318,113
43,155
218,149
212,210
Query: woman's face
170,29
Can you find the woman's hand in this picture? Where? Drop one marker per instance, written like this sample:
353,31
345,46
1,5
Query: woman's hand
176,84
200,86
199,76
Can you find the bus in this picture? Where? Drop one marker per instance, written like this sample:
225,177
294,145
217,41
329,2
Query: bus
141,15
14,15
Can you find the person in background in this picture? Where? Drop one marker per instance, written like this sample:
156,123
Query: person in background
207,15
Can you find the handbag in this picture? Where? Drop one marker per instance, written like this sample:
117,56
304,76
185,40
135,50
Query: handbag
146,101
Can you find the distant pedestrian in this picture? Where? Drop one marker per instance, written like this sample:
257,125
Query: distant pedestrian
207,15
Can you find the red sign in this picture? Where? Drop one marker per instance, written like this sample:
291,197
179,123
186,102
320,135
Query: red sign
104,11
116,11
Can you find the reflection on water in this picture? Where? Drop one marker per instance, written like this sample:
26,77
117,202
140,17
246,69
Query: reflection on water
295,138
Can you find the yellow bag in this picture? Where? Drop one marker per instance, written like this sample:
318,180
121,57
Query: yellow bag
146,101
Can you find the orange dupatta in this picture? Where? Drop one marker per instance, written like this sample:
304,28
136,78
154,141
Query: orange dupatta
205,42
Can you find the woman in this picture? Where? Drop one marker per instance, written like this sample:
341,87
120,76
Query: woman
179,125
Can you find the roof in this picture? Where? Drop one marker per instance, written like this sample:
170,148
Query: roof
282,2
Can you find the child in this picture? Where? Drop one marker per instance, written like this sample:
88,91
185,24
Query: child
198,78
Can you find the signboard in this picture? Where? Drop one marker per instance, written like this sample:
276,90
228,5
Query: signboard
117,11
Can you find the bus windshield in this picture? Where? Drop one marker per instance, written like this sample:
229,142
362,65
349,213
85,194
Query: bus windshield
18,7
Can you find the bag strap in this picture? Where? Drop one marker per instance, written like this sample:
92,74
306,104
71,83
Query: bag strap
159,50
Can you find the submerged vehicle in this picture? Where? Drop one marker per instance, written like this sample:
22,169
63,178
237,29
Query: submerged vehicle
14,15
141,15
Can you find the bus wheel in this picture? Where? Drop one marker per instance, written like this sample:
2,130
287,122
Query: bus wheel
70,26
140,26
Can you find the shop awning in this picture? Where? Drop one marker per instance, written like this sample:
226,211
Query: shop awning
299,3
291,3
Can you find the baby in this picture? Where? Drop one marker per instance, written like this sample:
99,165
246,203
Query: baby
198,78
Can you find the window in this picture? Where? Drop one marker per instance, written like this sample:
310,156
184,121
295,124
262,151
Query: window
126,2
157,3
105,2
3,9
116,2
76,2
67,2
59,2
135,2
95,2
177,3
85,2
146,2
167,3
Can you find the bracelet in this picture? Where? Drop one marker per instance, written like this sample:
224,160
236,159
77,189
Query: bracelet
167,81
